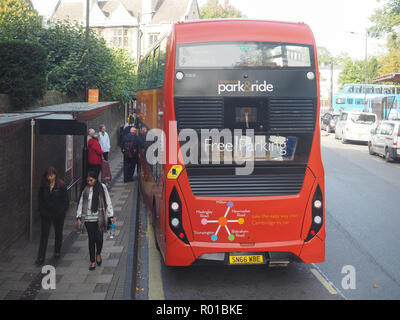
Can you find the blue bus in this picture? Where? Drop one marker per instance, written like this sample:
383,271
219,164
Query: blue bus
386,107
360,96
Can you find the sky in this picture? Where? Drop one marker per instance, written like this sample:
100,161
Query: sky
330,20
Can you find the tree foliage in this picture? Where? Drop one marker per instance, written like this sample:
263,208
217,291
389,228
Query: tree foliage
113,72
354,71
325,57
386,19
18,20
386,23
23,72
214,10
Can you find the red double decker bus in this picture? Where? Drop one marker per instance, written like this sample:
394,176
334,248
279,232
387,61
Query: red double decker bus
233,172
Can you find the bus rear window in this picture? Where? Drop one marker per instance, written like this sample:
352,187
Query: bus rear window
243,54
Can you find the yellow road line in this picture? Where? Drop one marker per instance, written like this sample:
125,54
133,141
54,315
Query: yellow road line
325,283
156,290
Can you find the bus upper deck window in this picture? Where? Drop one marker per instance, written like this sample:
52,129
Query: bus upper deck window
244,54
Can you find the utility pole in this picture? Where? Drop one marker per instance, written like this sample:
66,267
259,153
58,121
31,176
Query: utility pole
87,53
366,64
331,95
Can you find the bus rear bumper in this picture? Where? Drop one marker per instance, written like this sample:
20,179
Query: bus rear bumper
181,254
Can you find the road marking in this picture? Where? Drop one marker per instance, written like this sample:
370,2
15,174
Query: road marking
324,282
156,290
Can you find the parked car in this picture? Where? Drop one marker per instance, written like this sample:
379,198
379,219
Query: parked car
355,126
385,141
328,121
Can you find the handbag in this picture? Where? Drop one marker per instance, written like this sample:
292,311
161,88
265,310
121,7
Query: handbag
105,172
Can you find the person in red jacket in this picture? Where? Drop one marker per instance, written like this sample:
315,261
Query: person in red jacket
94,155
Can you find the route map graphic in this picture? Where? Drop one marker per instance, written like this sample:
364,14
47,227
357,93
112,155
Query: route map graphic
223,222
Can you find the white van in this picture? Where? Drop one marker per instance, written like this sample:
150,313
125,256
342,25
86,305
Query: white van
355,126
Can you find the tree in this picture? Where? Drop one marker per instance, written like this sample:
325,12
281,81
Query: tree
111,71
18,20
23,72
214,10
324,56
390,63
386,19
354,71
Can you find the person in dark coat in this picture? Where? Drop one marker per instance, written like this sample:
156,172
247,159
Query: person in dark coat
130,148
53,205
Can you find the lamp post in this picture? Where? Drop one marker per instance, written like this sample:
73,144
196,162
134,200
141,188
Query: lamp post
365,62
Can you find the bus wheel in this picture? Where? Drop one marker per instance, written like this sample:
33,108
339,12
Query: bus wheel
154,226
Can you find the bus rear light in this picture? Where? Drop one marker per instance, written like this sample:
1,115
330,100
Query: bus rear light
175,206
317,214
175,222
317,204
396,135
175,215
317,219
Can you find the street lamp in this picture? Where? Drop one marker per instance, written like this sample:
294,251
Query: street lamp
365,62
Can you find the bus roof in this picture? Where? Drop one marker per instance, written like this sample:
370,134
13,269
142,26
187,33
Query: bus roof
243,30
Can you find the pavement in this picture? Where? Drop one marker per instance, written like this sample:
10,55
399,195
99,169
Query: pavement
21,279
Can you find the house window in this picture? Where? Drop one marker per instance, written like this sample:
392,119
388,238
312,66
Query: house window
153,37
117,38
126,44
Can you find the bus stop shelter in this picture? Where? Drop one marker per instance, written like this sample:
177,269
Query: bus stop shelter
62,119
390,77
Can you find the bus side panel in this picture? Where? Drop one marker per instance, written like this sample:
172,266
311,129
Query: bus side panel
313,251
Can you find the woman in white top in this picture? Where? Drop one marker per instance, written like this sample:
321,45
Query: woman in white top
104,141
96,208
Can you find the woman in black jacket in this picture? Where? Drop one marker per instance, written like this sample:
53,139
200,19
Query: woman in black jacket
53,205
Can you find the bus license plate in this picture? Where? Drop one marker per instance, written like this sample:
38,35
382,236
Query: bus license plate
246,259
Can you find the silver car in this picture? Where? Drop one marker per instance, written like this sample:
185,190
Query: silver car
384,140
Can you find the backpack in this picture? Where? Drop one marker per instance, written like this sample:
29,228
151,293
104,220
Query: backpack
130,149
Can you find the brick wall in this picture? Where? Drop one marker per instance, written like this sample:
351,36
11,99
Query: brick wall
15,148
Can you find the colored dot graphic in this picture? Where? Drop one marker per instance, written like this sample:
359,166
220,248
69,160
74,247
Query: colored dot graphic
223,223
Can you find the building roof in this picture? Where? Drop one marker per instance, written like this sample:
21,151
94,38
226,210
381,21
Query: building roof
170,10
164,10
72,11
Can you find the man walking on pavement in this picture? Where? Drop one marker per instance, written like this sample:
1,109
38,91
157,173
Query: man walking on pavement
130,149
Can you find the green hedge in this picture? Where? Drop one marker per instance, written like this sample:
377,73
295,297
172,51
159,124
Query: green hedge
22,72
